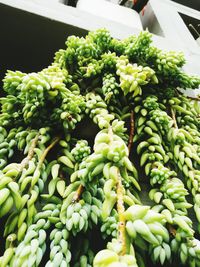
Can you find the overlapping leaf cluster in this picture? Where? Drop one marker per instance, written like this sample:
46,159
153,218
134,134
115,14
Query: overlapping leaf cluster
69,135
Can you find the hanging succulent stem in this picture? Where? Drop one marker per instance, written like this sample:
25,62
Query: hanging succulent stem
189,97
174,118
193,98
10,240
171,229
78,193
30,153
41,160
110,132
120,210
46,151
120,206
130,141
120,189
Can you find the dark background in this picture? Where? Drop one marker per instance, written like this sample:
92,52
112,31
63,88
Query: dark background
195,4
29,42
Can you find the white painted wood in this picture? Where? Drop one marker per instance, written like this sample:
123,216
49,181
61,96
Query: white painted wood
113,12
71,16
47,2
198,41
172,26
186,10
83,20
163,18
57,1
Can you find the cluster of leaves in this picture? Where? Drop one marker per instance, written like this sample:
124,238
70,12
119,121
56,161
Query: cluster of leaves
58,173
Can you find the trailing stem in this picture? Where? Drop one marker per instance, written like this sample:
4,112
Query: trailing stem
41,160
130,141
174,118
189,97
46,151
26,160
172,230
120,210
78,193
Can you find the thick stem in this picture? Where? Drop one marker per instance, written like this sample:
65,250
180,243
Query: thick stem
10,240
110,132
171,229
189,97
120,194
130,141
120,210
193,98
41,160
46,151
78,193
120,207
26,160
174,118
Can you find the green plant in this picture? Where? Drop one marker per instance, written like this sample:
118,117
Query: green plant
68,167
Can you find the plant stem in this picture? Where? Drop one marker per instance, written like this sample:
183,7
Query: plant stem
193,98
110,132
174,118
120,194
130,141
26,160
120,210
171,229
120,207
46,151
78,193
189,97
41,160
